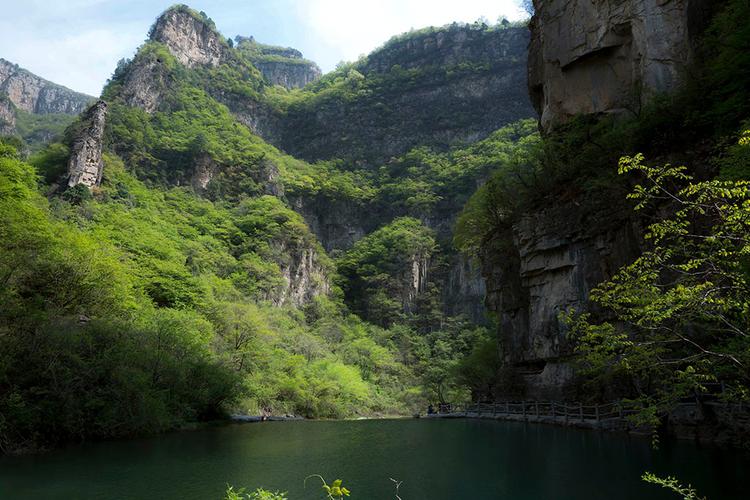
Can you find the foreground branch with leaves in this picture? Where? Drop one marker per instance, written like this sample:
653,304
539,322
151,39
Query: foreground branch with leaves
680,311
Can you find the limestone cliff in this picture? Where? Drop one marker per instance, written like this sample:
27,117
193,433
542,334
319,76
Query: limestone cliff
607,56
7,116
305,277
283,66
585,57
145,82
33,94
85,164
438,87
192,39
545,264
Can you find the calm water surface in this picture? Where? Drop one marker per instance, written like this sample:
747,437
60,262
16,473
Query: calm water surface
435,459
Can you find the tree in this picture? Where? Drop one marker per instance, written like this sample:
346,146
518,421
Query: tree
681,309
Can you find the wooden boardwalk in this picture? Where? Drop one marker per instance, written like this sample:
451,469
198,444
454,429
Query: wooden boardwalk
609,416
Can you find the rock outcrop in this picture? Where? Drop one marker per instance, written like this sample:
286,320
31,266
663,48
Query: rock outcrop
607,56
191,38
544,265
85,165
304,277
145,83
33,94
290,74
283,66
7,116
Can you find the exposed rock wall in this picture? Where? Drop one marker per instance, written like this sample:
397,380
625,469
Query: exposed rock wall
545,264
85,165
283,66
465,289
290,74
7,116
145,84
191,40
441,88
304,276
33,94
607,56
585,57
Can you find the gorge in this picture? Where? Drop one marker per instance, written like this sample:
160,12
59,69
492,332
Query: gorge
472,212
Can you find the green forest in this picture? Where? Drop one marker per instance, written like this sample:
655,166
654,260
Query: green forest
149,302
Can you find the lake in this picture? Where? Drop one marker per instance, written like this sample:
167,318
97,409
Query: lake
436,459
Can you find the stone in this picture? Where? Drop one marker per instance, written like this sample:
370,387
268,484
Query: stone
85,165
7,116
290,74
283,66
545,264
607,56
190,39
304,276
145,84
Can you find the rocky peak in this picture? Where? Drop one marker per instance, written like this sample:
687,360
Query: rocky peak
85,164
607,56
33,94
191,37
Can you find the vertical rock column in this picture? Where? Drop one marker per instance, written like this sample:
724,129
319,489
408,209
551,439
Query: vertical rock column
85,165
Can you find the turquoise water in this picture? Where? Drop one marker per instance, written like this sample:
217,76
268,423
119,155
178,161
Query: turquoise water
435,459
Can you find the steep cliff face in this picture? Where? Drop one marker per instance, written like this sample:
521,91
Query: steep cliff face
33,94
607,56
543,265
288,73
585,57
283,66
337,224
191,39
441,87
85,164
7,116
145,83
304,277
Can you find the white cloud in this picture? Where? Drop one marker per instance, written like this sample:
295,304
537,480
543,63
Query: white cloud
82,61
346,29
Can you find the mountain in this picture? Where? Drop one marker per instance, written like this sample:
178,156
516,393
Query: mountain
323,289
437,87
226,230
35,108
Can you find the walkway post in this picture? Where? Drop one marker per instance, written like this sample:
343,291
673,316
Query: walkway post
580,410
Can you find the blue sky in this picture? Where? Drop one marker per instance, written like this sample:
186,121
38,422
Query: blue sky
77,43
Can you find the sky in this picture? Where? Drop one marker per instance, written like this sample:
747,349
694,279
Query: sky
77,43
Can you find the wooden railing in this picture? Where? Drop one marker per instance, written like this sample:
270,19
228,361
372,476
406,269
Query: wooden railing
567,412
549,409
